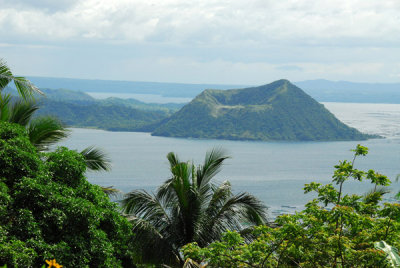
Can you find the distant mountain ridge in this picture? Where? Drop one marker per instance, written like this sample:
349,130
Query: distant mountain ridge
344,91
321,90
134,87
277,111
78,109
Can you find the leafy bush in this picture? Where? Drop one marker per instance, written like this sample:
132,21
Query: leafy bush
334,230
49,210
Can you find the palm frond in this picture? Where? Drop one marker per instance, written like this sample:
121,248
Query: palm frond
379,190
5,107
189,263
253,210
375,194
218,199
213,162
5,74
207,230
182,173
45,131
110,191
236,213
173,159
166,193
24,86
96,159
22,112
142,204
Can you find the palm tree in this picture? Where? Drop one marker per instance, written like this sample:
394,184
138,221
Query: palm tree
43,131
189,207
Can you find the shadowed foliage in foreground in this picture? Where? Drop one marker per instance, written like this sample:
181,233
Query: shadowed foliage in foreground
49,210
189,207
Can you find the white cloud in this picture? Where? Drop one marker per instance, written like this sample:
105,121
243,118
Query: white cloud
253,39
209,22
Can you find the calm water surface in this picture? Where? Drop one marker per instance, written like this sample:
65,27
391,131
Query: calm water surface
273,171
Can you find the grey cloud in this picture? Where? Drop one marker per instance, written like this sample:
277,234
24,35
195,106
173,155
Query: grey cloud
42,5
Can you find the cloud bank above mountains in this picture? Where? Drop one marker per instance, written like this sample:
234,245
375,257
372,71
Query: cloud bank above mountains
212,41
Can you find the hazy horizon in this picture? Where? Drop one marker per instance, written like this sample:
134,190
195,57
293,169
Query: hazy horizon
208,83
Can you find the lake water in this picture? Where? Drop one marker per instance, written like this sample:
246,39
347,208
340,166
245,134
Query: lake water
275,172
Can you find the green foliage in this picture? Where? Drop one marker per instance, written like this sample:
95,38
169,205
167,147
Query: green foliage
24,87
45,131
96,159
392,254
189,207
102,115
277,111
334,230
48,209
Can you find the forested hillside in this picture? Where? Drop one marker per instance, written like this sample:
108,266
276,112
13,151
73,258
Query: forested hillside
277,111
78,109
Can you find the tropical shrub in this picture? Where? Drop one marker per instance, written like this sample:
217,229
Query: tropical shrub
334,230
48,210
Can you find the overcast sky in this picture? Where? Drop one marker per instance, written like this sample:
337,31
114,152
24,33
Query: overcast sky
203,41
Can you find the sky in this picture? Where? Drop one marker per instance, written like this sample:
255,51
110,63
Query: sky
203,41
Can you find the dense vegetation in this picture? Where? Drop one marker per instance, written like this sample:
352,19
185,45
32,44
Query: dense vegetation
49,210
277,111
189,207
335,230
103,116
